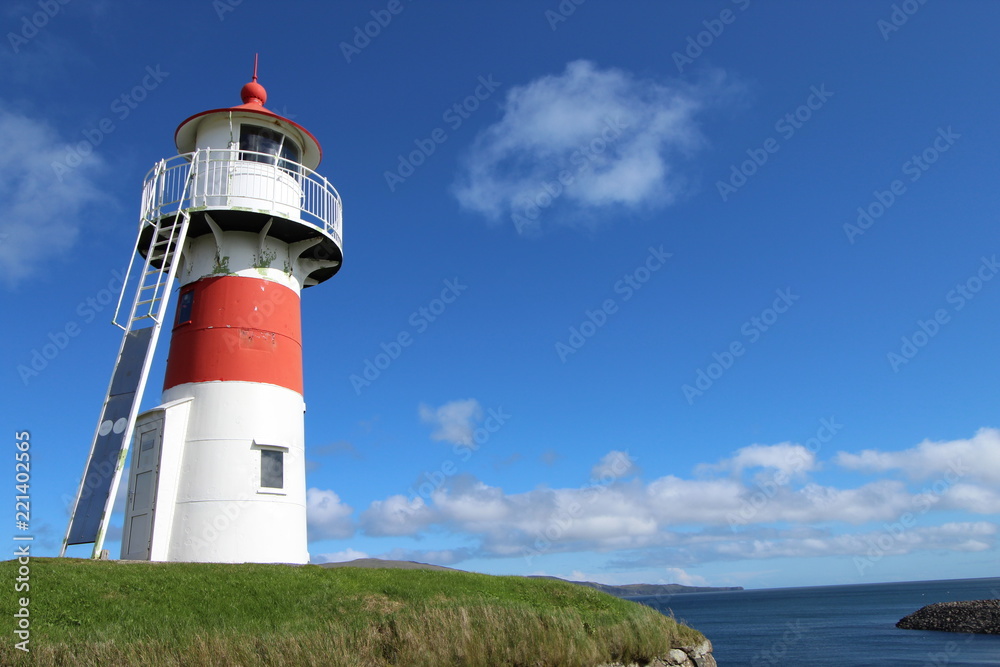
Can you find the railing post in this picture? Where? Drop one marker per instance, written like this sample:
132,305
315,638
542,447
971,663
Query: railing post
275,181
193,173
161,184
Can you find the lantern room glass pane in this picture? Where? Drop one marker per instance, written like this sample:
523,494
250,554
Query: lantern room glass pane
272,144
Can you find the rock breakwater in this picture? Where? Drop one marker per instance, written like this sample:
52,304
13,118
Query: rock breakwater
978,616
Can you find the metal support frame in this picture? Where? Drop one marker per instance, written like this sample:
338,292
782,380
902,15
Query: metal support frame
112,438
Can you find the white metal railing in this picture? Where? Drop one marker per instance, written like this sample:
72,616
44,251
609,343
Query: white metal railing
221,178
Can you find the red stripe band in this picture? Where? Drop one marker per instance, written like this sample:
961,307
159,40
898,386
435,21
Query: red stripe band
235,328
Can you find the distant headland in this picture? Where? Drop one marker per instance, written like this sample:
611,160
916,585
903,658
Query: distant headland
636,590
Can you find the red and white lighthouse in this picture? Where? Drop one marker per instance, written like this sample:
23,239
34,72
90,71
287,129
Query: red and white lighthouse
243,222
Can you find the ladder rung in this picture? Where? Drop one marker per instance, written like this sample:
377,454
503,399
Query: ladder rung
153,288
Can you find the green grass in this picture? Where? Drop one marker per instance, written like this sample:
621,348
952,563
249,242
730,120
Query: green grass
192,614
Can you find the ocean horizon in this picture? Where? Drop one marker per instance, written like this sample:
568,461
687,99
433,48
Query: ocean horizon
850,625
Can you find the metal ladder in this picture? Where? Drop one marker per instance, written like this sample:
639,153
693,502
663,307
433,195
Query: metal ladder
96,495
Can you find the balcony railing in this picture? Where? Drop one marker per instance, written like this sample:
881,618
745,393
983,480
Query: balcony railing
241,180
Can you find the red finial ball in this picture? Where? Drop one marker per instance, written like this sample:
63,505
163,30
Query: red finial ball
253,92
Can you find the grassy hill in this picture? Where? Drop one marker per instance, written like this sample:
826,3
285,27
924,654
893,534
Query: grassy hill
137,613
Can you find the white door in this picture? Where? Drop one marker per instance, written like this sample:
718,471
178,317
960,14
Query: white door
143,477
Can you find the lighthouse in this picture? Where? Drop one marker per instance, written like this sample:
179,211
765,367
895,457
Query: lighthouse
242,223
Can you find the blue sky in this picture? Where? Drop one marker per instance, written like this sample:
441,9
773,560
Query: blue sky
721,274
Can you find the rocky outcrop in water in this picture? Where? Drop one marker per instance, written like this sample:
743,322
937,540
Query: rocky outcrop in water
689,656
979,616
685,656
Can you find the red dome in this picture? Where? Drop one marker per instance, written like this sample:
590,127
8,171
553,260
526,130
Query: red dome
253,92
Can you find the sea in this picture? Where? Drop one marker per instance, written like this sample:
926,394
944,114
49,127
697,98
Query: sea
839,626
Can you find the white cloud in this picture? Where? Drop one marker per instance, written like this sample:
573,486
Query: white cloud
42,212
617,141
977,458
327,516
868,548
475,508
676,575
396,515
696,520
972,498
453,422
786,458
730,502
613,465
619,517
339,556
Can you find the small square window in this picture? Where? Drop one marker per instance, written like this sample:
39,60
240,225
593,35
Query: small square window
272,469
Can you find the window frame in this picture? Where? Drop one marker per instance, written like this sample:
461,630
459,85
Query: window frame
259,450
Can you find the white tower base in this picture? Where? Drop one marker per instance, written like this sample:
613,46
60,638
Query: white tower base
217,479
